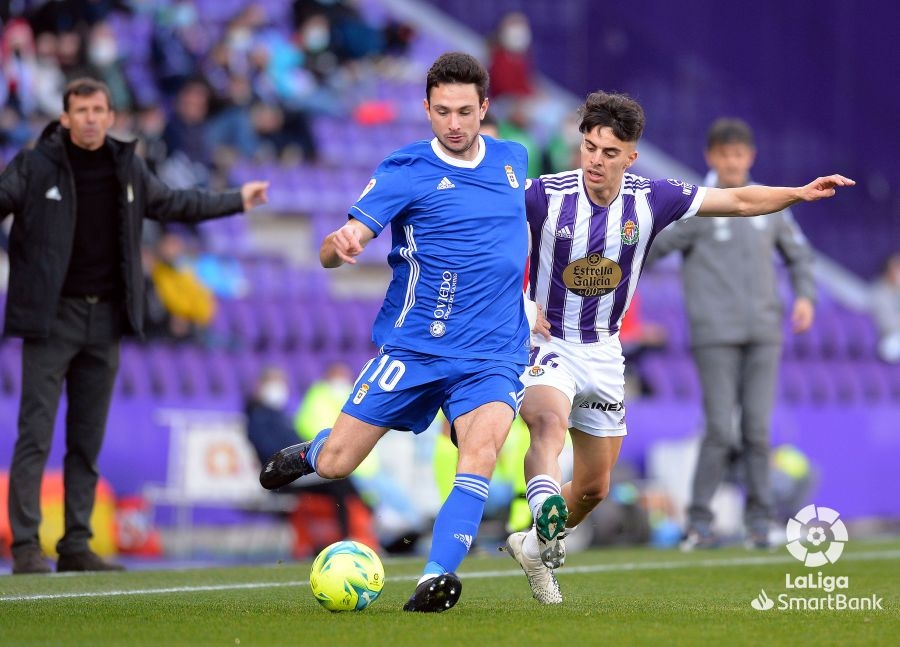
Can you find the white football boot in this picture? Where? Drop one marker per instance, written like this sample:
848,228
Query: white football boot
541,579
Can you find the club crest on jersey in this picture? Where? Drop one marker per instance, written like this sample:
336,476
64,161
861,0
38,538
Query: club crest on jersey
361,393
630,232
437,328
511,176
535,371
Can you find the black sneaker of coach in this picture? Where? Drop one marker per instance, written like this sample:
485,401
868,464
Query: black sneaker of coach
28,561
85,561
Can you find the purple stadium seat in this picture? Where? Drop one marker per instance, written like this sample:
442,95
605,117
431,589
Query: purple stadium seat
133,380
655,368
862,338
847,380
222,375
891,376
874,383
273,324
246,331
792,385
192,368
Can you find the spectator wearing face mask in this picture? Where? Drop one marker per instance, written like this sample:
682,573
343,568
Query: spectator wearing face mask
105,61
511,66
268,426
526,113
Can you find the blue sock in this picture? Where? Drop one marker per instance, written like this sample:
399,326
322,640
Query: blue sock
457,524
313,453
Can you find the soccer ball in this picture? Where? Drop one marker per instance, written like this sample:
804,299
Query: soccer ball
346,576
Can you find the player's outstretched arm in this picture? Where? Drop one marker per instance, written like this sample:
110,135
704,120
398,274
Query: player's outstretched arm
345,244
755,200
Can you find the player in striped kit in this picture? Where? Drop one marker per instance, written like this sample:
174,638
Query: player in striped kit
591,229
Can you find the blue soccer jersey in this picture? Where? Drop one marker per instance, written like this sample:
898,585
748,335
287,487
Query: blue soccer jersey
459,247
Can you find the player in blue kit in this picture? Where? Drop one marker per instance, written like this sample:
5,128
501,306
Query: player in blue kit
452,332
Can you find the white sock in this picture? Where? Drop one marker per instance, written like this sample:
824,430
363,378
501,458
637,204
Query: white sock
538,489
530,545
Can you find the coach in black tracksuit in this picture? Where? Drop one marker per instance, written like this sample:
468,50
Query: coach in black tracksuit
75,287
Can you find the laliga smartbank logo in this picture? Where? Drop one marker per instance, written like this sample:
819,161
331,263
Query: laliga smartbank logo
816,537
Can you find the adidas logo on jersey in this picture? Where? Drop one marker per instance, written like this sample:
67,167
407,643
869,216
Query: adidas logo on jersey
564,232
445,184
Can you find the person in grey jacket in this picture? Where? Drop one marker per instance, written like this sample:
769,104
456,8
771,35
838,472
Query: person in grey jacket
736,315
76,286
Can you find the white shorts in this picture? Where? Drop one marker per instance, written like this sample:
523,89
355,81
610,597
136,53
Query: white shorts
592,376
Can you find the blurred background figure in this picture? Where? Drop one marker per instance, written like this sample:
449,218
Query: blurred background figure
506,497
190,153
105,63
526,113
269,427
735,312
397,519
189,304
639,336
885,305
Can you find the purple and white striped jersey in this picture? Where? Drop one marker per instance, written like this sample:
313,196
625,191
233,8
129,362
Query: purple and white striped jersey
585,259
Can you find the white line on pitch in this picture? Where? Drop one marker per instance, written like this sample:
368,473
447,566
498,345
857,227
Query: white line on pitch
596,568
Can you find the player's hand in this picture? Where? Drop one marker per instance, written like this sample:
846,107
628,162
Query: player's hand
254,194
802,315
541,325
824,187
346,243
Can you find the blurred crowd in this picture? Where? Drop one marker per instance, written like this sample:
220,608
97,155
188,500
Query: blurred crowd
201,92
197,95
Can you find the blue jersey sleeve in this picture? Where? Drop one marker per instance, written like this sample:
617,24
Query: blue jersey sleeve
386,195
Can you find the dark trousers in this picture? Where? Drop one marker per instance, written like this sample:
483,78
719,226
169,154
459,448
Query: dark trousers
738,383
82,351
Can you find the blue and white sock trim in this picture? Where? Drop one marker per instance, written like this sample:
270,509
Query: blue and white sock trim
473,484
312,455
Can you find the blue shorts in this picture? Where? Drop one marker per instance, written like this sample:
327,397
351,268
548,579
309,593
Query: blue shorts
402,389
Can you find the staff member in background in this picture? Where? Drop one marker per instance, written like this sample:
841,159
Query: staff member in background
735,313
76,285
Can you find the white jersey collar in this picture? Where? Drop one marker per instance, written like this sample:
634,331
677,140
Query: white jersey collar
454,161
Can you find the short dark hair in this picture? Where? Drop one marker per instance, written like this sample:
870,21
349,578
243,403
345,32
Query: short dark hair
728,130
457,67
85,87
617,111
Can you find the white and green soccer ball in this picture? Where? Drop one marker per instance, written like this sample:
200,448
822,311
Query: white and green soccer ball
346,576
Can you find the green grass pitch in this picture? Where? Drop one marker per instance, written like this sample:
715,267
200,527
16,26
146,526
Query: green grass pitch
612,597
